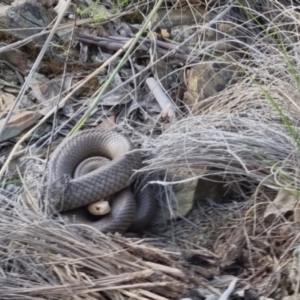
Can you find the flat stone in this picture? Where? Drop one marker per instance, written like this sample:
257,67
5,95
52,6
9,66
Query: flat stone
25,18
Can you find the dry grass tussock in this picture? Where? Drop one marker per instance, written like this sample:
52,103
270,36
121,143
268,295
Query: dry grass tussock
43,258
247,133
250,130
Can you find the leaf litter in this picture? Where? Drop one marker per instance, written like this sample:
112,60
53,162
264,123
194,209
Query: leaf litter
240,238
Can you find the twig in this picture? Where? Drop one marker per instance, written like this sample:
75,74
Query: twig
152,295
145,46
83,82
163,100
173,51
229,290
19,98
118,67
64,26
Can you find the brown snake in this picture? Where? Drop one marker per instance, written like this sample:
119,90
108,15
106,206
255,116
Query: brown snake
94,182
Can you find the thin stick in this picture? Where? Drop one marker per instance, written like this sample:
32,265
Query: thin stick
14,150
18,100
28,133
163,100
116,70
64,26
229,290
174,50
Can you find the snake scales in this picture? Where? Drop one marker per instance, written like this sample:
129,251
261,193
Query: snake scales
88,181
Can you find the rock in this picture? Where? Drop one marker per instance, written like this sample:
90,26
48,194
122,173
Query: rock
188,194
185,193
25,14
207,79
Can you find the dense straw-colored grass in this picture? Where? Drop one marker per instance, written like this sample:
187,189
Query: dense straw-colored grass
249,131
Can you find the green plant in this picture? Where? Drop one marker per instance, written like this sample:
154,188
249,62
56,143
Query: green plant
94,11
123,3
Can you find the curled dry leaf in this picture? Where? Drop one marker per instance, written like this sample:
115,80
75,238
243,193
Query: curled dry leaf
284,202
18,123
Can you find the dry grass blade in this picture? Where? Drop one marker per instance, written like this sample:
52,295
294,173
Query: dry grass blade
47,259
232,144
238,136
62,102
35,66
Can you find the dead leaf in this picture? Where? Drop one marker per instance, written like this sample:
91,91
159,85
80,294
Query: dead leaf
152,35
47,91
284,202
17,58
108,123
228,246
165,33
60,6
6,101
18,123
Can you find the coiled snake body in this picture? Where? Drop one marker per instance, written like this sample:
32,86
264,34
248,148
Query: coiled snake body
93,182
